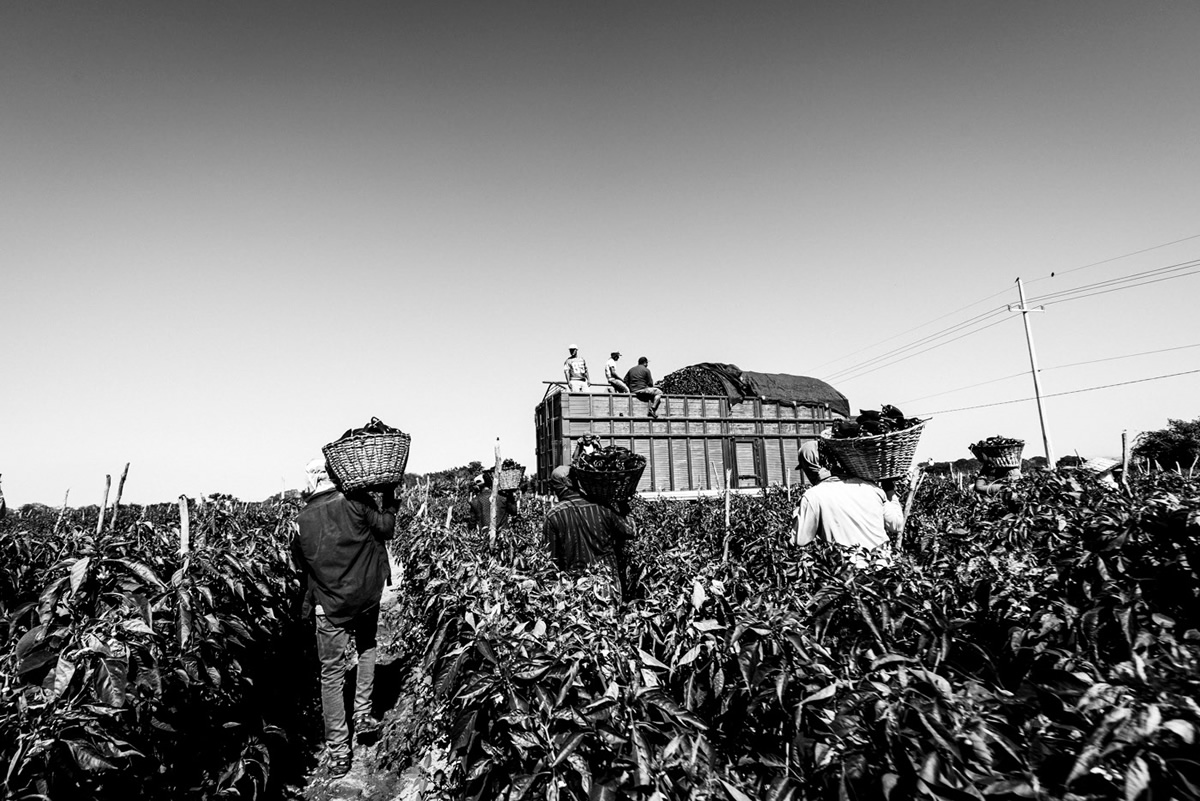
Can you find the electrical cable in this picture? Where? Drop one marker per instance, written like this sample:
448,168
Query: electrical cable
1114,258
1183,265
1060,394
1119,288
922,341
1046,370
926,350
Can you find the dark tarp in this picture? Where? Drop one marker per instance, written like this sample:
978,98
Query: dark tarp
792,390
796,390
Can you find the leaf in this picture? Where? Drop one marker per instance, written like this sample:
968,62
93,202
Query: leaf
689,657
1183,729
699,596
141,570
136,625
64,671
735,793
86,757
889,659
825,692
569,745
79,572
1137,778
649,660
707,625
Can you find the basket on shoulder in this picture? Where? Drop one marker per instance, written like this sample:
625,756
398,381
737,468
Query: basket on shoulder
998,451
608,475
369,457
510,476
875,446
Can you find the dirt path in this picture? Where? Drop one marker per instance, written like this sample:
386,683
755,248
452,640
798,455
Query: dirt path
394,677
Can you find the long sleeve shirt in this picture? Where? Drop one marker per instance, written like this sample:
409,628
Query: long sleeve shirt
849,512
578,532
481,509
340,545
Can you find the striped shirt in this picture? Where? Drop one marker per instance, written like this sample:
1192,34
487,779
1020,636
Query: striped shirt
578,533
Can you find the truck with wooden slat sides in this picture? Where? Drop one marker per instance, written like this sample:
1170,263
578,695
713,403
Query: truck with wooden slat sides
696,438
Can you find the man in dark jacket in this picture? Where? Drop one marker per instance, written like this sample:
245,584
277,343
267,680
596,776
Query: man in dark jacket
481,505
340,547
581,534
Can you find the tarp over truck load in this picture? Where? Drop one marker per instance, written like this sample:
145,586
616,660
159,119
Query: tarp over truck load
791,390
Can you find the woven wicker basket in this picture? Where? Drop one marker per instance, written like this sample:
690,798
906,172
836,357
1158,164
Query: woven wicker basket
510,478
609,486
1000,455
878,457
368,460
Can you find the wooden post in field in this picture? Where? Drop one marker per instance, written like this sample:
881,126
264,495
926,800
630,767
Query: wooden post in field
1125,459
63,511
787,484
449,511
908,502
495,494
104,505
184,535
728,478
117,503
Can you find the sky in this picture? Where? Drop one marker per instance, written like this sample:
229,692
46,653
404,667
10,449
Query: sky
233,231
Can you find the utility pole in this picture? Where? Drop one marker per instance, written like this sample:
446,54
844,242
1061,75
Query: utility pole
1033,365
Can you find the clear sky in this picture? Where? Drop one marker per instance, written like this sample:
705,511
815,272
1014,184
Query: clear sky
233,230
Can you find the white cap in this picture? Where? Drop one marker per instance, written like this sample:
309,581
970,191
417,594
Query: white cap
572,346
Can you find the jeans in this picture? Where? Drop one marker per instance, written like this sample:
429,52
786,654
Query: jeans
332,640
618,386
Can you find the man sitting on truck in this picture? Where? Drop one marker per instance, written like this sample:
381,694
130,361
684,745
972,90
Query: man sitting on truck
581,535
610,373
641,384
846,511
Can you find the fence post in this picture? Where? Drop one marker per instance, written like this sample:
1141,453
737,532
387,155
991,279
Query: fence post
185,544
495,494
103,505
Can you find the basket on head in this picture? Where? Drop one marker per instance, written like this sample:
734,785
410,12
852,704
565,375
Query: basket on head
608,486
877,457
1007,455
373,456
510,478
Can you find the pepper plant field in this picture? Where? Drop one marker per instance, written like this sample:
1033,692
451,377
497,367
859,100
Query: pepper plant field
1044,645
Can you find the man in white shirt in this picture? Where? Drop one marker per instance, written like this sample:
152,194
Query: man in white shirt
612,376
850,512
575,370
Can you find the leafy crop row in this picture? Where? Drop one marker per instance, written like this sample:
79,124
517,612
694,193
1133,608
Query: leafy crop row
1041,645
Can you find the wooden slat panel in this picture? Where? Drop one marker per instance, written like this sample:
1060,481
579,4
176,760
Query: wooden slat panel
787,428
774,452
699,455
712,408
680,478
770,428
742,429
716,456
747,476
579,405
661,462
695,427
642,447
641,427
623,426
602,406
742,410
712,429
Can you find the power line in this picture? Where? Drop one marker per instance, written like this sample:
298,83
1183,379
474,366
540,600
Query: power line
1046,370
1115,258
1183,265
922,341
914,328
1060,394
1119,288
926,350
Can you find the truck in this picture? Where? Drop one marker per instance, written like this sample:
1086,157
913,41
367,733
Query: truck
748,438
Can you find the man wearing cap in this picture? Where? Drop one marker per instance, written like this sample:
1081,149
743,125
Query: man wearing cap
846,511
610,373
580,534
575,370
339,546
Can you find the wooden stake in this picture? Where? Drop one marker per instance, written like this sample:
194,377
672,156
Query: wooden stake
908,502
117,503
728,478
1125,459
449,511
495,494
184,538
63,511
104,505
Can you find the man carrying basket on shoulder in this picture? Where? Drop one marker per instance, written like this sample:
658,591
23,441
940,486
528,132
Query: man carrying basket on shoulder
846,511
340,548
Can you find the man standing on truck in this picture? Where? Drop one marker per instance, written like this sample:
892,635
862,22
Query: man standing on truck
580,534
610,373
846,511
339,545
575,370
641,384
